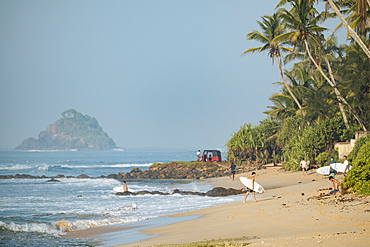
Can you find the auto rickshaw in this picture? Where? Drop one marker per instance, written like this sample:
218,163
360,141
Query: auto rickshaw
211,156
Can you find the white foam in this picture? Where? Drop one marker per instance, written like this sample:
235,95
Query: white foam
30,227
43,167
46,151
107,166
17,166
66,226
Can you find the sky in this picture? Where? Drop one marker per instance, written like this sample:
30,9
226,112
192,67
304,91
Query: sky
154,73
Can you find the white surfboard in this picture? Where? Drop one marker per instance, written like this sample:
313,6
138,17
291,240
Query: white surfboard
120,189
325,170
339,167
248,183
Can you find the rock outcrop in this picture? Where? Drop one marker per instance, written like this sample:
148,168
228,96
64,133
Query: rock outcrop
181,170
72,132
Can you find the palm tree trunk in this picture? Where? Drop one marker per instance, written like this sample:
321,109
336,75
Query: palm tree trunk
333,80
286,85
343,100
350,30
336,91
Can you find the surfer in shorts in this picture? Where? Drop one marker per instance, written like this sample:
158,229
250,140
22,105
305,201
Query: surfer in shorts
336,184
248,190
124,186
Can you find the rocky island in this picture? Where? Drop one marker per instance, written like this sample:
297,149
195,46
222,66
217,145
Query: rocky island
73,131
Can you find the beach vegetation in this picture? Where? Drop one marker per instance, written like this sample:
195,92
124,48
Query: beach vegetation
324,94
358,177
323,159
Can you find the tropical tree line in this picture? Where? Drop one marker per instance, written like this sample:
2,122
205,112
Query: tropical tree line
324,92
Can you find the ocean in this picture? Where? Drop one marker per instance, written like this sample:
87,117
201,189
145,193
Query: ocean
34,212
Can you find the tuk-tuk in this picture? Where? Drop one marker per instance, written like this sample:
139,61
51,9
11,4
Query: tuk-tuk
211,156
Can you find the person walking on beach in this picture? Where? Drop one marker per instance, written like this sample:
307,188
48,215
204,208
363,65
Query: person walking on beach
253,178
345,162
336,184
198,155
332,171
233,171
304,166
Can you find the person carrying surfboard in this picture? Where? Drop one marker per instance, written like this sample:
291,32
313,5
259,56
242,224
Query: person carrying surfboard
250,190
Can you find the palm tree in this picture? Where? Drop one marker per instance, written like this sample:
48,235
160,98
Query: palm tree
358,16
352,32
282,107
302,19
353,71
311,88
271,28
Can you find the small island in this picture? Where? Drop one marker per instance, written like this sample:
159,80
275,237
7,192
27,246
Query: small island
74,131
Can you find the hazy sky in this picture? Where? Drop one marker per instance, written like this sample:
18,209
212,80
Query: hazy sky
154,73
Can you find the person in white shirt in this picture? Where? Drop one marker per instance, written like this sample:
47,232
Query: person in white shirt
304,166
345,162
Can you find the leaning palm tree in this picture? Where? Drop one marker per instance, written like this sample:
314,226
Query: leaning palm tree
358,15
356,37
302,19
271,27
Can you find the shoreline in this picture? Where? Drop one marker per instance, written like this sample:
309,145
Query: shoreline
288,214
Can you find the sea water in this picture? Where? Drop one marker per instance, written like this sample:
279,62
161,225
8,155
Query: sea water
34,212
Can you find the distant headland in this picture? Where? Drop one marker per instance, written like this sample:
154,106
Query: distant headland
73,131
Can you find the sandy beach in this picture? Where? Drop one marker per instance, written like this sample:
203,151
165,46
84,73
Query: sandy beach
289,213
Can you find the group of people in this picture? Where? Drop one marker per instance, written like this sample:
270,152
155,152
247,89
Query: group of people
304,166
332,173
206,158
248,190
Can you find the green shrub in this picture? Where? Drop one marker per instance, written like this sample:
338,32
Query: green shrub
358,177
359,143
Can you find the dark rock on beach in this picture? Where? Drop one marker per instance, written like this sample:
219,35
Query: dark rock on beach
215,192
53,180
220,191
83,176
